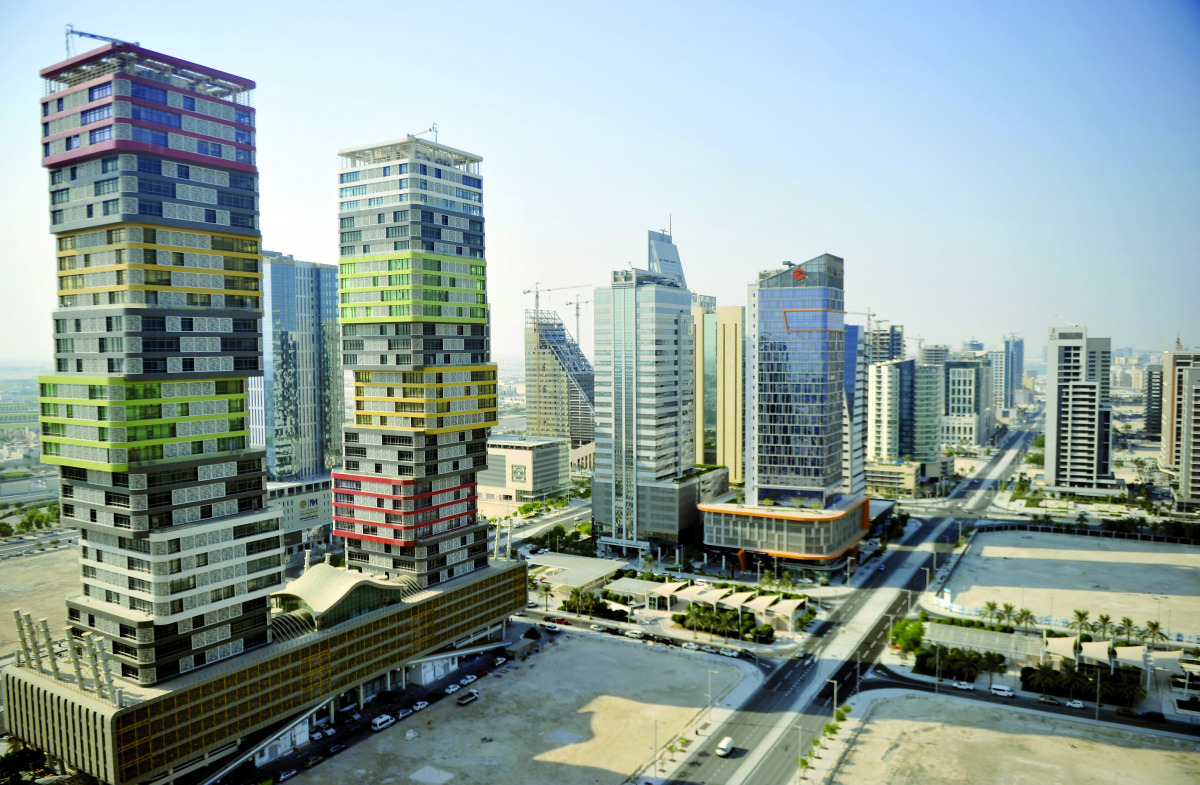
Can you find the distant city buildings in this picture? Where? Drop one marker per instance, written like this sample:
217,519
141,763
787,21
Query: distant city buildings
1180,451
1014,370
1078,414
646,487
1152,394
559,382
720,387
296,406
884,344
933,354
968,414
904,424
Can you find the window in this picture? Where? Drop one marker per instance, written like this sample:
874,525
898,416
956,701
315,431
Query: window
99,91
56,217
243,156
101,187
149,165
244,221
148,136
95,115
147,93
56,177
245,118
110,207
150,208
61,196
100,135
349,177
155,116
235,200
347,237
72,142
208,148
242,181
110,164
183,172
348,223
189,103
210,216
155,188
353,190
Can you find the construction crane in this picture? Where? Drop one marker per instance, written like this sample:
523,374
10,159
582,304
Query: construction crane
920,343
537,290
577,303
871,320
72,31
1065,319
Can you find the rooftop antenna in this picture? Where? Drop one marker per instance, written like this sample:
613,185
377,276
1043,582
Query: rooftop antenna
70,31
432,129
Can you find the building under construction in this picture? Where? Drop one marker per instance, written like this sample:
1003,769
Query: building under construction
559,382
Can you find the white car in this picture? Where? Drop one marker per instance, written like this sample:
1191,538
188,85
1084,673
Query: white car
465,680
690,646
962,685
453,688
420,705
596,628
708,650
1075,704
730,652
316,736
499,661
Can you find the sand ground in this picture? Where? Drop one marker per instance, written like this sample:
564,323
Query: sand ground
583,710
38,585
923,740
1054,574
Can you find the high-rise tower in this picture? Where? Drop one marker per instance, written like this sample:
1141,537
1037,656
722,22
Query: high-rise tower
414,319
154,207
1078,413
560,389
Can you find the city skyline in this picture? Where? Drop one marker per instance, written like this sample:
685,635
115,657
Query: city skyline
1029,187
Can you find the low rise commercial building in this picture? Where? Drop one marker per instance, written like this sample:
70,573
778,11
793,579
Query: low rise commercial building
522,469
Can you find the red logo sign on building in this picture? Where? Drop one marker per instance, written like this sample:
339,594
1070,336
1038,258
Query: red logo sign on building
798,274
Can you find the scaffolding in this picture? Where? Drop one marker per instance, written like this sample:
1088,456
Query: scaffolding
560,381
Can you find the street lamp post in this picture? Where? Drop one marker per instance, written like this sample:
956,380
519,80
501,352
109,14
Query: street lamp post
927,574
835,703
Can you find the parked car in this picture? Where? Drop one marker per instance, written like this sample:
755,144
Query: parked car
691,646
383,721
563,622
708,650
963,685
316,736
638,634
1075,704
531,605
1049,701
420,705
330,731
286,775
730,652
336,748
882,567
1124,711
312,760
468,679
1002,691
453,688
404,713
496,663
596,628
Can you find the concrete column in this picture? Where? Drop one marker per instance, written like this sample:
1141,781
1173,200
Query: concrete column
359,689
403,677
331,711
388,680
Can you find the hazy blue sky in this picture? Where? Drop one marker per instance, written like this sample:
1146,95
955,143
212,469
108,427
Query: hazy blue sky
981,167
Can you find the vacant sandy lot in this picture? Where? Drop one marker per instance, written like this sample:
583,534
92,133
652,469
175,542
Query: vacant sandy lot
944,741
1053,574
581,711
37,585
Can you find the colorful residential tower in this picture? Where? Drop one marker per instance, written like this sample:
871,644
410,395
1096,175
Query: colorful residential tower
154,207
414,316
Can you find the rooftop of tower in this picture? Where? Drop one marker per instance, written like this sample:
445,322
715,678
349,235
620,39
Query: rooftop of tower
409,147
138,61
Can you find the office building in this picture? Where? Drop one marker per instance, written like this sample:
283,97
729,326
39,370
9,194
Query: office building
296,405
855,409
905,413
996,362
1179,457
1078,414
933,354
1014,369
968,415
523,469
1152,396
884,344
305,510
154,208
972,345
560,392
794,509
719,332
646,484
414,319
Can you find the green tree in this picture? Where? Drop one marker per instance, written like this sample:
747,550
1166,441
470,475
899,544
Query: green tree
1024,617
767,580
993,663
1082,517
546,590
1128,692
1007,613
1127,628
1070,679
1080,623
990,609
1043,677
1154,632
6,530
1104,625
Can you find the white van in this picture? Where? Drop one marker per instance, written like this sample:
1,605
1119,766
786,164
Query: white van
382,721
1001,691
725,747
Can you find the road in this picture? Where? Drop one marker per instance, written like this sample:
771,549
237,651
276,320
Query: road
791,695
29,543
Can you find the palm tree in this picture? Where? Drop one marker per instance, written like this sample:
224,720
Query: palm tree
993,663
1024,617
1104,625
1154,632
785,581
545,589
1080,622
1129,692
1007,612
1043,677
768,578
1071,679
971,666
990,608
1127,628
